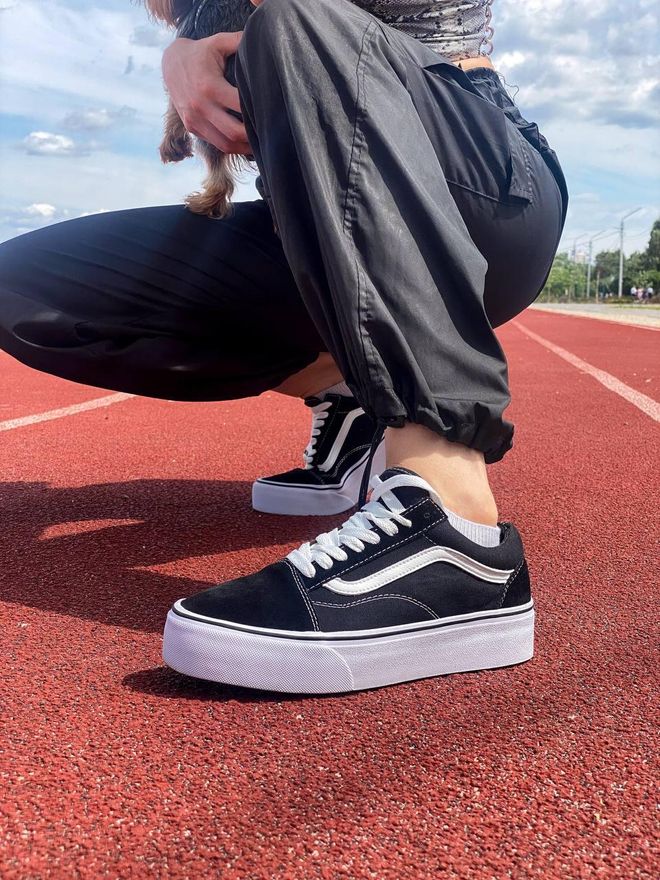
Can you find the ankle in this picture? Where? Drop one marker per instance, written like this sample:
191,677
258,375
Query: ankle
472,500
480,508
457,473
477,504
341,388
318,376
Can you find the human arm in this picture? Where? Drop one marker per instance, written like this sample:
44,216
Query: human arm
193,71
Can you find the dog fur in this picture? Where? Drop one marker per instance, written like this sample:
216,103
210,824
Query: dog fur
196,19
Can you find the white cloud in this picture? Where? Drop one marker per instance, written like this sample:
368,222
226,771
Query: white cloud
148,35
28,217
44,143
41,209
94,119
590,77
588,73
507,61
101,181
79,61
583,60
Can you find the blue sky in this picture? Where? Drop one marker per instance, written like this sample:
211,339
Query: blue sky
81,106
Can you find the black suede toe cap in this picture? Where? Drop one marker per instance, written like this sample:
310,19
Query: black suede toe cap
296,477
270,599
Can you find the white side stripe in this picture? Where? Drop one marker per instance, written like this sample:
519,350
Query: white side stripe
333,455
415,563
73,410
647,405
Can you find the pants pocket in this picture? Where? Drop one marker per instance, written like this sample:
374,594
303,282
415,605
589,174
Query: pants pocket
479,149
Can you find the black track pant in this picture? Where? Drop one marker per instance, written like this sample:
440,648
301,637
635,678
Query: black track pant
415,208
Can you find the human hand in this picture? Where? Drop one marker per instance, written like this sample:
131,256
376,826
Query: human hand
193,71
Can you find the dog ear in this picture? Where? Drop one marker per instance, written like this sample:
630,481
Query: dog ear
169,11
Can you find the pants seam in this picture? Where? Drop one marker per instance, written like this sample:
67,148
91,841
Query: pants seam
357,144
353,158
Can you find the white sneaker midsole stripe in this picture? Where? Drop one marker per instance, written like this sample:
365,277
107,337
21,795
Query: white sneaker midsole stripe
343,635
324,488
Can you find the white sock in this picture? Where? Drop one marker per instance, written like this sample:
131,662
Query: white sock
480,533
340,388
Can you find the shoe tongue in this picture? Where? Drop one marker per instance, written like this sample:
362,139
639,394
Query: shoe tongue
325,397
407,495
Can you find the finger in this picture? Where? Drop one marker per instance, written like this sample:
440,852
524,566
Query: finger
217,92
242,148
230,127
227,96
208,132
205,130
223,125
226,43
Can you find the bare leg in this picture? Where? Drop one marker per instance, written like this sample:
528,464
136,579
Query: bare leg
313,379
456,472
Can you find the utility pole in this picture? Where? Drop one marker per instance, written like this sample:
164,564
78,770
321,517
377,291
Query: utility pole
591,254
623,220
575,241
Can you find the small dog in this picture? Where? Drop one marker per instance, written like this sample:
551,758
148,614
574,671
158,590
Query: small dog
196,19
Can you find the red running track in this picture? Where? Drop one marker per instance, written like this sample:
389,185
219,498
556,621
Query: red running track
111,766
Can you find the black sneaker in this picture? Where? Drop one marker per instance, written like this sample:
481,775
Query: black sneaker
335,460
395,594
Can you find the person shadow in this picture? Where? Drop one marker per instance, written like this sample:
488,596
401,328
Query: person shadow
121,553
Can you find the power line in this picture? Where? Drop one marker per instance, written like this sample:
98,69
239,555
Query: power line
571,250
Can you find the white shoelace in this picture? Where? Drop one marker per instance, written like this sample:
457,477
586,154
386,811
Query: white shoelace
319,415
383,510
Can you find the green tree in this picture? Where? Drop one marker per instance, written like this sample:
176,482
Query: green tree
568,279
653,249
634,271
606,269
565,277
651,259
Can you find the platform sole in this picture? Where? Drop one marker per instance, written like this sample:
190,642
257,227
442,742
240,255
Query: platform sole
312,663
280,498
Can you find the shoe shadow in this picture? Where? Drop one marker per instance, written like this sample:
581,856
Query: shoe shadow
163,682
89,552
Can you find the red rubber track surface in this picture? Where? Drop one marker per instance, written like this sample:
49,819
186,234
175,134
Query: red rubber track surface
112,766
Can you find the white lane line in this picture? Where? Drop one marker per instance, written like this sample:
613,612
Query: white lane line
647,405
97,403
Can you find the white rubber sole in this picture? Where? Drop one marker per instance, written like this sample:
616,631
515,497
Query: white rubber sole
323,501
327,663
